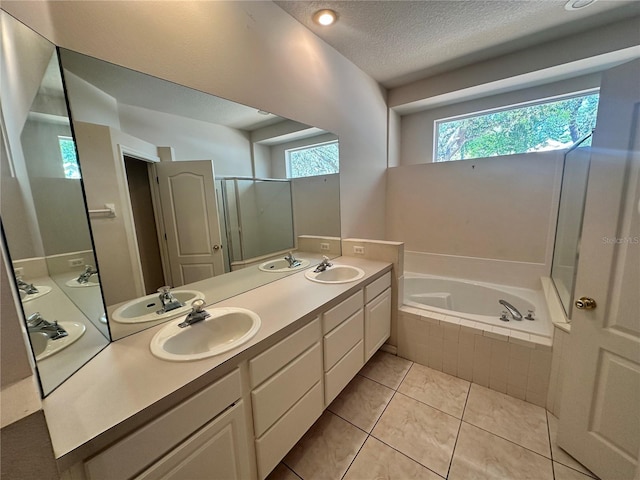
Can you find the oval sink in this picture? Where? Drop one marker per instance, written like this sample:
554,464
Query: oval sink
73,283
281,265
42,290
145,309
225,329
336,274
44,347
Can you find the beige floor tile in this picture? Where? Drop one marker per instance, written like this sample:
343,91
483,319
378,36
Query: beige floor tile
386,369
437,389
481,455
558,454
362,402
326,450
565,473
282,472
508,417
419,431
379,461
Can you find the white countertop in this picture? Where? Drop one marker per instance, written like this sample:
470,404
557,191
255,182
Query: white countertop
125,386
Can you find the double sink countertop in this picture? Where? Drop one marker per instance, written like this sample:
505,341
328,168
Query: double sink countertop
125,386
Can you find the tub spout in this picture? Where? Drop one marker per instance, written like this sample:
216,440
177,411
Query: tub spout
515,314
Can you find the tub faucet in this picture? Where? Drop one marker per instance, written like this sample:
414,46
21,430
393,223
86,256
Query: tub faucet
169,302
515,314
36,323
84,276
293,262
323,265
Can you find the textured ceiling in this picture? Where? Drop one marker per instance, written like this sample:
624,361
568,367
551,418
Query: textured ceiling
397,42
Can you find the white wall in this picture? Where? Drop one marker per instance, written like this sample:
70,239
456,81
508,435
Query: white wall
90,104
249,52
229,148
500,209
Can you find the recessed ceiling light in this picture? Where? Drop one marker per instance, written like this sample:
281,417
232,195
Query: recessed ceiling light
325,17
578,4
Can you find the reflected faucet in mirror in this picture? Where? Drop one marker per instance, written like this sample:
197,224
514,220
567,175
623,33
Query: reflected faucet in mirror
168,301
37,324
84,277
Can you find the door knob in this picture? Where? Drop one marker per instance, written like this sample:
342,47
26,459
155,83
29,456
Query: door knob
586,303
217,247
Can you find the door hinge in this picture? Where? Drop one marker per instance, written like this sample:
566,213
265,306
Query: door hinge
165,237
158,180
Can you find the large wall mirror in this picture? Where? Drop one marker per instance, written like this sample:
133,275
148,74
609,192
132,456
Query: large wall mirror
185,187
44,218
149,184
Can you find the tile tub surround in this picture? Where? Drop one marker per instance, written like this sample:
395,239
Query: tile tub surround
509,362
400,445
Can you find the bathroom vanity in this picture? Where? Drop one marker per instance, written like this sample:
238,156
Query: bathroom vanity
128,414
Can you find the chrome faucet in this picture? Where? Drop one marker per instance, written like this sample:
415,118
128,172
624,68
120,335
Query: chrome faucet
513,311
196,315
323,265
27,288
84,276
293,262
169,302
35,323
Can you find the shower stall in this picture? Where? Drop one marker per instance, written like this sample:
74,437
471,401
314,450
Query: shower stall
256,217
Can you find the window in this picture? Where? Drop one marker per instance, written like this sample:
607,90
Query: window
536,127
69,158
308,161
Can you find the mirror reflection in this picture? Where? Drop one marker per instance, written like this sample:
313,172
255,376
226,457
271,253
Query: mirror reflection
184,187
570,214
43,211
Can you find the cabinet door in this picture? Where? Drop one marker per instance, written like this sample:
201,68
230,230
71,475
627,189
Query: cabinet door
377,323
218,451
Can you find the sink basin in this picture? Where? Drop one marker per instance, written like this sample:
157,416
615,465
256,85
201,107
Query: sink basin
42,290
144,309
44,347
336,274
225,329
281,265
73,283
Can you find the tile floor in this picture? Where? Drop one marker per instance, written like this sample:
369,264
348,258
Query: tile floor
401,420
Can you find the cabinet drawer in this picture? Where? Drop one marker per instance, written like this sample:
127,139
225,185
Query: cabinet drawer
276,357
341,374
143,447
377,323
334,317
342,338
285,433
275,396
376,287
218,451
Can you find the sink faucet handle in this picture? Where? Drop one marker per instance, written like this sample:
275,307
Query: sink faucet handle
197,305
34,319
164,290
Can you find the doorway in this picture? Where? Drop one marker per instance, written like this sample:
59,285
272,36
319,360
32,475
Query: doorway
137,172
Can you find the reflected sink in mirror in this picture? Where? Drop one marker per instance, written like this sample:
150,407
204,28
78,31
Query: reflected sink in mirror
42,291
281,265
226,328
336,274
145,309
44,347
73,283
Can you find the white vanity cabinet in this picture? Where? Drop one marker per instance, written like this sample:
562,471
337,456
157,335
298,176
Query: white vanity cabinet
286,395
377,314
203,437
343,344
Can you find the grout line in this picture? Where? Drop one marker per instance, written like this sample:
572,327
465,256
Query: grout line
553,468
405,455
455,444
430,406
291,470
355,456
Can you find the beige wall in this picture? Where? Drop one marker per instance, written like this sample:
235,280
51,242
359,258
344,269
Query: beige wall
249,52
500,208
316,205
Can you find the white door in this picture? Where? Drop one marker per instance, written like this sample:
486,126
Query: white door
190,214
600,416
